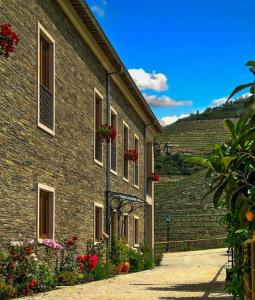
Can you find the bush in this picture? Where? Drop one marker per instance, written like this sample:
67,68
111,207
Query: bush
135,260
158,258
103,270
46,280
148,257
119,251
70,278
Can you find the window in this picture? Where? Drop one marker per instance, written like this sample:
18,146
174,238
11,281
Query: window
136,231
46,81
125,148
46,200
125,227
98,121
113,154
136,163
98,221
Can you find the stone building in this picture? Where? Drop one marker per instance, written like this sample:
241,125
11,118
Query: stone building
57,178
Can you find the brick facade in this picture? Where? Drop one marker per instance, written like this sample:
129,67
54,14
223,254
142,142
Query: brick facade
29,155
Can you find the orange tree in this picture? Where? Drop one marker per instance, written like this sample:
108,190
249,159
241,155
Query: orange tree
231,174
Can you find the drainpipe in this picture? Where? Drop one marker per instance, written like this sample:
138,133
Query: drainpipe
145,176
145,179
108,152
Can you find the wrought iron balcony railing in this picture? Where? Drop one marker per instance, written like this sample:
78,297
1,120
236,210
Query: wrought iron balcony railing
46,107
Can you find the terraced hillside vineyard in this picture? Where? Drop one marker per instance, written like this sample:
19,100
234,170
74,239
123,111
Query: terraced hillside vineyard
180,194
194,136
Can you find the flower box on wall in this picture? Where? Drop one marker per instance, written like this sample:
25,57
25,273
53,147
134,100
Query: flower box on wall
154,177
8,39
106,133
131,155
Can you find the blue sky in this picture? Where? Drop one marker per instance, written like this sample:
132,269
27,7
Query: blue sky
183,54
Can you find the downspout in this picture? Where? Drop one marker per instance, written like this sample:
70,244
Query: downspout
145,177
145,180
108,152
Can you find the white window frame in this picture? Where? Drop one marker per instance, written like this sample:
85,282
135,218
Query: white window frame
116,116
100,205
46,188
43,32
136,218
124,124
138,150
98,94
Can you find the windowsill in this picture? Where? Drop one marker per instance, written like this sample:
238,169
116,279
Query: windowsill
125,179
98,162
136,186
45,128
136,245
114,172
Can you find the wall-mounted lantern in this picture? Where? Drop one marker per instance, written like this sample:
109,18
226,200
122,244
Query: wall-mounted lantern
168,148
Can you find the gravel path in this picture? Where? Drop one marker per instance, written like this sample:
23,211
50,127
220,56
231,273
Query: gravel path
186,275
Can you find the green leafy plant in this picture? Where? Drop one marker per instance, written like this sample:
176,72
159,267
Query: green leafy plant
103,270
70,278
46,280
68,259
230,171
148,257
135,259
119,251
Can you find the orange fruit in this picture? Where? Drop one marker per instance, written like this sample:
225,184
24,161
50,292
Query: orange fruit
250,216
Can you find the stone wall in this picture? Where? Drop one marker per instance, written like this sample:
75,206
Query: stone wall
29,155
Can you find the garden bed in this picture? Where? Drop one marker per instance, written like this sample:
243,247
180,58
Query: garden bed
30,267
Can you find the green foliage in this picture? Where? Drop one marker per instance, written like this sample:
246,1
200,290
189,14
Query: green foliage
175,164
97,249
148,257
232,184
135,259
68,258
46,280
103,270
235,285
158,255
119,251
70,278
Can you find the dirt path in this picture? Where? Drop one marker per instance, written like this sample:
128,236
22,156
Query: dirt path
187,275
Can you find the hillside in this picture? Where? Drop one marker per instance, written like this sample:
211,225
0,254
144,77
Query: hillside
230,109
194,136
180,194
192,216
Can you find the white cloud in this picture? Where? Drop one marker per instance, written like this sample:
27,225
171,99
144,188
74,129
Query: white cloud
168,120
149,81
219,101
99,10
165,101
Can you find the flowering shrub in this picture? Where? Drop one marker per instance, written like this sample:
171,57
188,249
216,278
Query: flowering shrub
98,249
154,177
20,271
106,133
87,262
68,258
52,245
131,155
8,39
